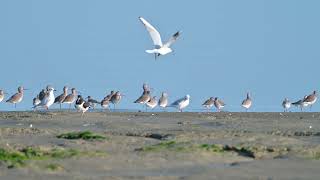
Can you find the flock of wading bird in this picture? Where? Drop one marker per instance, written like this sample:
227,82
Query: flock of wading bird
46,98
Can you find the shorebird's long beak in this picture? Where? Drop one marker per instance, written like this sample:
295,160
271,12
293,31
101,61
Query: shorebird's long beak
26,89
54,90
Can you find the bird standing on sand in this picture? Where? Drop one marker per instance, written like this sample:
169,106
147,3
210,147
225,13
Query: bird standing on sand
311,99
115,99
181,103
106,100
286,104
81,105
152,103
92,102
208,103
36,101
247,102
144,98
17,97
163,101
160,48
59,99
219,104
71,98
48,100
2,94
301,103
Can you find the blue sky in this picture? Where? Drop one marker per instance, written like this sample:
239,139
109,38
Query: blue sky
270,48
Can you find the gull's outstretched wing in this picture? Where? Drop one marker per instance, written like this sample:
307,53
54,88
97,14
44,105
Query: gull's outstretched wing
172,39
155,35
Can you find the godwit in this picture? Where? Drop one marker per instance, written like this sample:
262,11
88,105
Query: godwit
59,99
219,104
71,98
163,101
208,103
247,102
17,98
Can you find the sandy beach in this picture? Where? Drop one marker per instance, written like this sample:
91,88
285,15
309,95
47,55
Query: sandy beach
160,145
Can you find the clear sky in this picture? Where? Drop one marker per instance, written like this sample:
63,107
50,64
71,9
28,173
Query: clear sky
229,47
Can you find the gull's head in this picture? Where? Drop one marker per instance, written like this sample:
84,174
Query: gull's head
187,96
51,89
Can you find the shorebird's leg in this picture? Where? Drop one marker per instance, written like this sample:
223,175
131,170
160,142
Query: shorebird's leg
60,106
82,114
70,107
15,105
155,56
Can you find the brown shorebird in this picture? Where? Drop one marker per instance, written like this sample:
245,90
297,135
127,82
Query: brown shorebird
82,105
163,101
59,99
301,103
286,104
247,102
208,103
106,100
311,99
115,99
219,104
2,94
71,98
92,102
152,103
144,98
16,98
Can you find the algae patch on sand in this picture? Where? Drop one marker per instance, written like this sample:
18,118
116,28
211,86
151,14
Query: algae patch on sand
85,135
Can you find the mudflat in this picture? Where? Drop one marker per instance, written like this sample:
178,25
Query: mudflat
129,145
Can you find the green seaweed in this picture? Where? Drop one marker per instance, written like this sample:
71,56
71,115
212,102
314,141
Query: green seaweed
85,135
18,158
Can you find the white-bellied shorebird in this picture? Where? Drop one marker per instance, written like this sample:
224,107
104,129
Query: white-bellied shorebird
182,103
301,103
160,48
92,102
286,104
247,103
2,95
219,104
115,99
71,98
36,101
208,103
81,105
311,99
144,98
163,100
17,97
59,99
48,100
152,103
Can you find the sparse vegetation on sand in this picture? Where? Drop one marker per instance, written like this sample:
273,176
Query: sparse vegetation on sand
85,135
17,158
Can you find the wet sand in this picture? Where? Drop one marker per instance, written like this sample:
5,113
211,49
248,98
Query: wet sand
168,145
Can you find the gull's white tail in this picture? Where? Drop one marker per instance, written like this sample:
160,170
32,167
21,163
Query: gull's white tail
152,51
